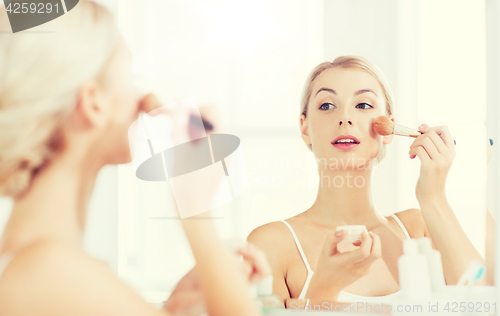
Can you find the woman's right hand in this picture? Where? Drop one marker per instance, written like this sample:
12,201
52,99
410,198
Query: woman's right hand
187,298
184,130
336,270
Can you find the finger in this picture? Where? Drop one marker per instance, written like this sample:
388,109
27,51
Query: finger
183,302
418,140
376,245
438,141
243,266
375,251
247,269
257,260
428,145
421,153
363,251
444,133
331,242
423,128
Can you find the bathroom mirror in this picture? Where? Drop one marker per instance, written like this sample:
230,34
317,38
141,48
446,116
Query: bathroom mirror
252,60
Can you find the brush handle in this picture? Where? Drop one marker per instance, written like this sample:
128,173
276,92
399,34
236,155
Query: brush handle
405,131
409,132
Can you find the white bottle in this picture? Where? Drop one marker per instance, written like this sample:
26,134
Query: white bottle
414,278
434,263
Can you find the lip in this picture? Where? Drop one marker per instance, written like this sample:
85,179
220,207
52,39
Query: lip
347,146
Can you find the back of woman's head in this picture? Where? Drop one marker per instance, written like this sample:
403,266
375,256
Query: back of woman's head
40,76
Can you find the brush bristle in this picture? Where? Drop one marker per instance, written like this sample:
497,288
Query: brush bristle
383,126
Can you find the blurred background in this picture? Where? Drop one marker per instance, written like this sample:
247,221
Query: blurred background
251,59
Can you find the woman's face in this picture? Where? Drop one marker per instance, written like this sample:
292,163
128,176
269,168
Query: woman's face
120,100
343,105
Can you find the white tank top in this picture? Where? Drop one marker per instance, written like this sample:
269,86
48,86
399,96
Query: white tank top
343,296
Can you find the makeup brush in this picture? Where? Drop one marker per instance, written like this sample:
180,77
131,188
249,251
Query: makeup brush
207,125
384,127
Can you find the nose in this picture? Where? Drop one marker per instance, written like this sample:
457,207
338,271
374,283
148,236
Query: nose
348,122
345,116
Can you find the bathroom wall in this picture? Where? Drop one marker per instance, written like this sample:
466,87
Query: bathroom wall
451,90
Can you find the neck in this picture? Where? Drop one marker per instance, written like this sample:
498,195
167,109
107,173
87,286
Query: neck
345,198
55,205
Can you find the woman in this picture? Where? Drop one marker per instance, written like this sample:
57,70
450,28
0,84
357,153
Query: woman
341,101
66,102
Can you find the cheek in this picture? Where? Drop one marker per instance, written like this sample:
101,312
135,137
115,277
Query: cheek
125,107
320,126
372,138
365,127
124,113
120,146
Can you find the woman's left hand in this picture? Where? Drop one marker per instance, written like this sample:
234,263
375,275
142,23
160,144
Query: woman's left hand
255,264
436,151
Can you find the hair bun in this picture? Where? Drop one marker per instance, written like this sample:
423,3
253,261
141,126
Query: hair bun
17,171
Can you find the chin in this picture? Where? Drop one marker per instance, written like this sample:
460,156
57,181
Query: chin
127,158
119,158
346,160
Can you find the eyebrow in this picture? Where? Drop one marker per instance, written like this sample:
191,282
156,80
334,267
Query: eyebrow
364,91
327,90
355,93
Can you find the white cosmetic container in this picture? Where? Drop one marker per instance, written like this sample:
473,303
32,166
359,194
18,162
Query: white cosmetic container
352,232
413,269
434,263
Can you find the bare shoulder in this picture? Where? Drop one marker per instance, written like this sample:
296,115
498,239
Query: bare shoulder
270,235
52,278
274,239
413,221
40,261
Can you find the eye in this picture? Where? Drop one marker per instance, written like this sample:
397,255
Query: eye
326,106
363,106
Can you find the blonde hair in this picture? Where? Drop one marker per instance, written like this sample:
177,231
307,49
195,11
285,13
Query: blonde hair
40,76
350,62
